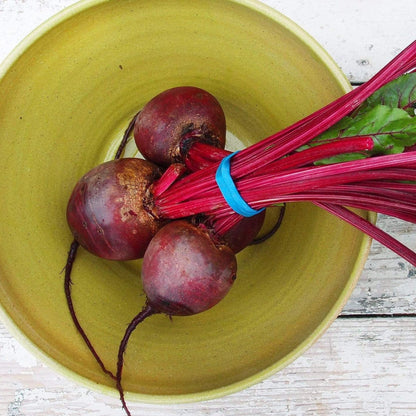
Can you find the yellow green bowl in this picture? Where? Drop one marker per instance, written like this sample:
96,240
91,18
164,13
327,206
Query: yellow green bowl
67,93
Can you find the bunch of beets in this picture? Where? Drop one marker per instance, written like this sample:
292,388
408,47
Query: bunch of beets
188,206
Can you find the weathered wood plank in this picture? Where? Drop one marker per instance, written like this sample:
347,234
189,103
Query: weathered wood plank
19,17
361,367
388,283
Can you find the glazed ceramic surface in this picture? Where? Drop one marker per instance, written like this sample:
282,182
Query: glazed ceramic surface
68,92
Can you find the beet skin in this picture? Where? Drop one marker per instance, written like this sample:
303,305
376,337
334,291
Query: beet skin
169,123
184,272
106,211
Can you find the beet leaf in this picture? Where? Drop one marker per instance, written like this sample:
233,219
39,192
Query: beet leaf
399,93
392,130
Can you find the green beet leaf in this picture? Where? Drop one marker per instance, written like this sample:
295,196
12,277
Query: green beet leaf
399,93
392,129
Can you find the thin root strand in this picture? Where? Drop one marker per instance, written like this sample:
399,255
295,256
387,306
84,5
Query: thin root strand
67,285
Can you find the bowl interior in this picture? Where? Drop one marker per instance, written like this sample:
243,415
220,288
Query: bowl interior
68,92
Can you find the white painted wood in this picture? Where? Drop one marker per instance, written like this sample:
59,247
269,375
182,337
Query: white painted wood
19,17
360,366
387,284
361,35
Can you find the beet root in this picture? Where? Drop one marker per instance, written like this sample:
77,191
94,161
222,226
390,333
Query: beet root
107,212
184,272
171,121
244,232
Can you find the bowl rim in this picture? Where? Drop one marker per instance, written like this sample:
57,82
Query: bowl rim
273,14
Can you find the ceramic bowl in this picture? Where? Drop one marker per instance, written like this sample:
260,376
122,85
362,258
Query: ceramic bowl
68,92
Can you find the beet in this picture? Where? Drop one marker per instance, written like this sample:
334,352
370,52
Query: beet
184,272
170,122
244,232
107,209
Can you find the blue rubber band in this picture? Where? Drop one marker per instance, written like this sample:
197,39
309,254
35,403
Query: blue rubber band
229,190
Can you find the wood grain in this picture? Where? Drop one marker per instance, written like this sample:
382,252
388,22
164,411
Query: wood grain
365,364
361,35
388,283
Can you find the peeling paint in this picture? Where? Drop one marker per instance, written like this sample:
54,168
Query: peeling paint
17,353
363,62
412,273
14,407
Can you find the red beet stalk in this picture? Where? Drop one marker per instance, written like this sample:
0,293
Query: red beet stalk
268,172
201,155
284,142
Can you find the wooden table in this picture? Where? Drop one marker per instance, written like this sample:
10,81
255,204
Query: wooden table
365,364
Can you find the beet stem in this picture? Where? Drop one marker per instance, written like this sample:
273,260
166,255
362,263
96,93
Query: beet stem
67,284
271,149
201,155
147,311
172,173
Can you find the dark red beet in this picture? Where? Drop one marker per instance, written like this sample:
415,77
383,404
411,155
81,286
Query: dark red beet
170,122
184,272
106,211
68,269
244,232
